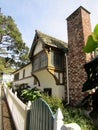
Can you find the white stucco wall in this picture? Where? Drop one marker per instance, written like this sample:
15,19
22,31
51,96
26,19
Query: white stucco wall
28,70
59,76
29,80
20,74
48,81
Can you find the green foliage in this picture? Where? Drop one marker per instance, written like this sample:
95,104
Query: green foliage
92,42
76,115
71,114
91,69
11,42
9,84
92,72
19,88
30,94
95,128
53,101
2,63
3,69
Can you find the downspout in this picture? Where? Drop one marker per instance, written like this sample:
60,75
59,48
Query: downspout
67,77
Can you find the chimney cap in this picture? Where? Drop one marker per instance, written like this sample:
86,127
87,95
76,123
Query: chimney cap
81,7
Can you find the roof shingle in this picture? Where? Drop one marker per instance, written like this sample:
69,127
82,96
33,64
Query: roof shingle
51,41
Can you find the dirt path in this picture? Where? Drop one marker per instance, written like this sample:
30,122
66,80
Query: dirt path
7,119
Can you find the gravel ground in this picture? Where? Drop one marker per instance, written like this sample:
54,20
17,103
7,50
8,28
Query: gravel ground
8,123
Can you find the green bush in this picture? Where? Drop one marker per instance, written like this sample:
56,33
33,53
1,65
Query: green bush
71,114
76,115
9,84
95,128
53,101
19,88
30,94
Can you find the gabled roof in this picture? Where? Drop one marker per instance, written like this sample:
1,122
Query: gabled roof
49,41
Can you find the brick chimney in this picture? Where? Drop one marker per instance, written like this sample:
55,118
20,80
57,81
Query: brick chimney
79,27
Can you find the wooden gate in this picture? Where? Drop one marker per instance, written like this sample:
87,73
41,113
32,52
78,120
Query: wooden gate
41,116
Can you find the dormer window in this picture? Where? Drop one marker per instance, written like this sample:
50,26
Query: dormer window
47,53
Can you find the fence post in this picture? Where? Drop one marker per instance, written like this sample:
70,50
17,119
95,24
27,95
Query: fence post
58,121
11,89
16,94
29,105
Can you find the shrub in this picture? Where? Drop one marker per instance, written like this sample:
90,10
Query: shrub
76,115
71,114
19,88
30,94
54,102
9,84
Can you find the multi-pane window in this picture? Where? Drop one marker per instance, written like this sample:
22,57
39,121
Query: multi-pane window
43,60
16,76
39,61
56,59
36,63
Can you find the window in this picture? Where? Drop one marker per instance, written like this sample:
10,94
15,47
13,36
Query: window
36,64
56,59
39,61
23,73
48,91
16,76
43,60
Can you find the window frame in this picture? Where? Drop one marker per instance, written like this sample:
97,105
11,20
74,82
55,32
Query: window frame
16,76
39,61
48,91
57,59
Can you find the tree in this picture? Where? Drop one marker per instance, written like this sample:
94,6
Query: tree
92,42
3,69
92,72
12,47
91,67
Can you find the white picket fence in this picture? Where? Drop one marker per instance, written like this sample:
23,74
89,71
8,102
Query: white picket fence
17,108
19,113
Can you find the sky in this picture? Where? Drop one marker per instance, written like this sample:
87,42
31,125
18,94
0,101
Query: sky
47,16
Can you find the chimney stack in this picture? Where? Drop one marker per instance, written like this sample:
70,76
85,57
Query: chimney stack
79,27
